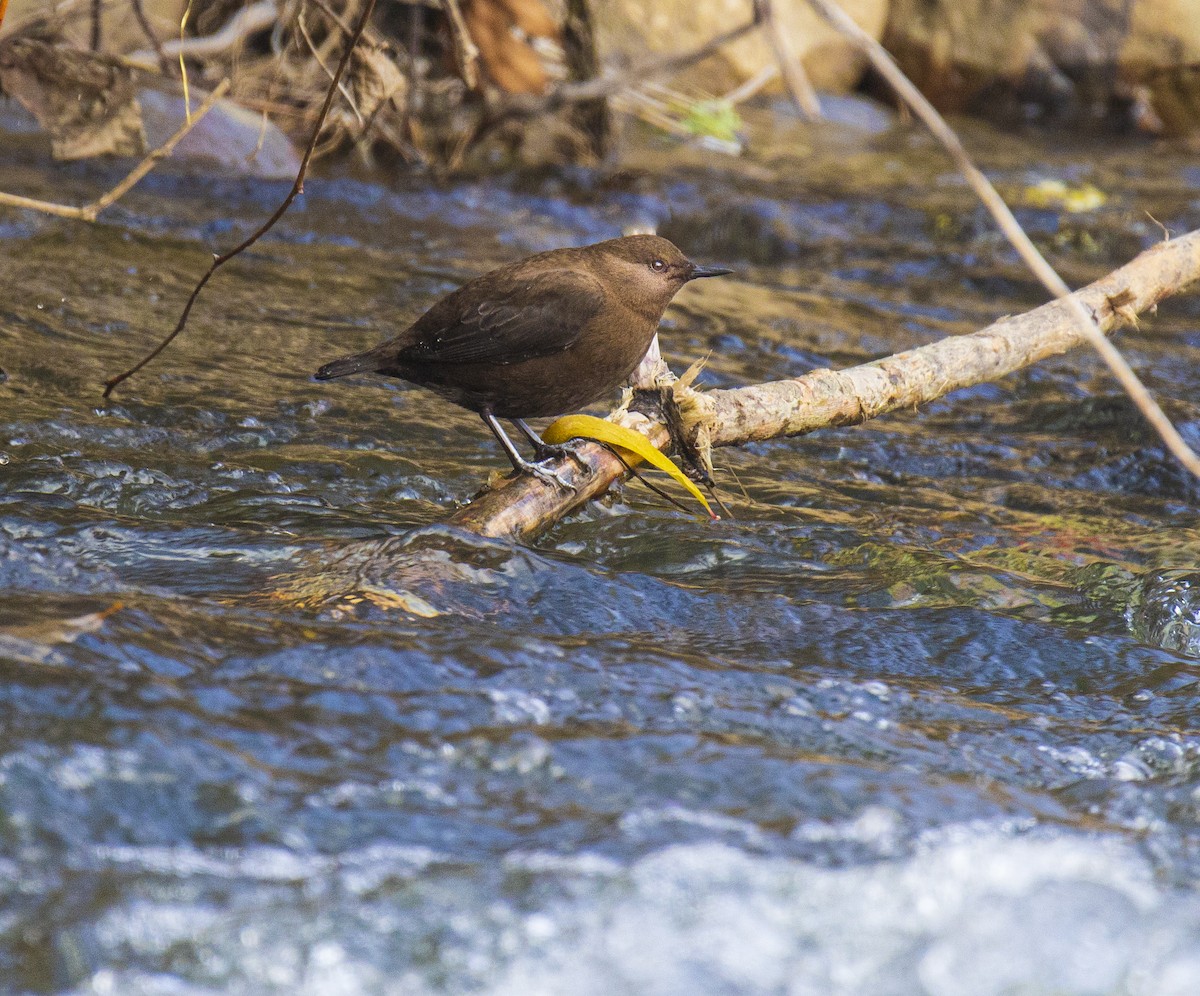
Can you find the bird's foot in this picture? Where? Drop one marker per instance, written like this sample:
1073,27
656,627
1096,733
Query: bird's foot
544,471
570,448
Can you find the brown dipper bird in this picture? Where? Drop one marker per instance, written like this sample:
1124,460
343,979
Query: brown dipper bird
543,336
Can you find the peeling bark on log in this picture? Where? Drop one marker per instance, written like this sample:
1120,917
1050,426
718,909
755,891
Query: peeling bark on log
522,507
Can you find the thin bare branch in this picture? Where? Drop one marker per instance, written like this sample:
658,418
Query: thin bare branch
300,23
466,52
139,12
788,60
887,68
333,16
247,21
752,86
96,30
599,87
297,189
89,212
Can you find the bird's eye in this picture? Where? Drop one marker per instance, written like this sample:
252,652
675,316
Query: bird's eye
658,266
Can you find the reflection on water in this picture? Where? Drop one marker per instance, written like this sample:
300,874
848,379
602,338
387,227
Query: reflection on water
919,719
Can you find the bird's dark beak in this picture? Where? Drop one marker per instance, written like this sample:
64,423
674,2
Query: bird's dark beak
707,271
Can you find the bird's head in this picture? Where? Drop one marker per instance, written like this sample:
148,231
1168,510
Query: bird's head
647,270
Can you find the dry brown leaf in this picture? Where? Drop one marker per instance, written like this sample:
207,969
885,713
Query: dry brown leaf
503,31
86,101
375,79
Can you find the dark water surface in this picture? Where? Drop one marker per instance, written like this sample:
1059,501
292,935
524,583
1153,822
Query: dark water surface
921,719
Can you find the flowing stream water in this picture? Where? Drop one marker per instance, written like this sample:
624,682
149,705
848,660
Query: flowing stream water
922,718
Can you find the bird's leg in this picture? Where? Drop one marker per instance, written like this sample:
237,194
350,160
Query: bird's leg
519,462
546,451
534,439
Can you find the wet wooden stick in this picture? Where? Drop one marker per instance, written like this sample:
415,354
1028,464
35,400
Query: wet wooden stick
522,507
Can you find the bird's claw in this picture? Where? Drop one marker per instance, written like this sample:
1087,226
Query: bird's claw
552,451
547,475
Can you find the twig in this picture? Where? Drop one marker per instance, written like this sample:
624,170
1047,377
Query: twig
333,16
1012,230
604,86
89,212
751,87
593,118
523,506
95,40
328,72
599,87
466,52
632,471
414,33
164,63
244,23
788,60
297,189
183,73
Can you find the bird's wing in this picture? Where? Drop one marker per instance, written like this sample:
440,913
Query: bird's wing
523,316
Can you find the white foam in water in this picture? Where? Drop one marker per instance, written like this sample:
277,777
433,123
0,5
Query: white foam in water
975,911
970,914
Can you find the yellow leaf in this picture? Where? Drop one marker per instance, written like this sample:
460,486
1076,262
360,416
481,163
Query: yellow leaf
633,446
1056,193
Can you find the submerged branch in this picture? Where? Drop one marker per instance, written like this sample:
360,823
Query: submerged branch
524,506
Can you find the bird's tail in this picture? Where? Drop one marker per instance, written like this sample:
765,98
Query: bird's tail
358,363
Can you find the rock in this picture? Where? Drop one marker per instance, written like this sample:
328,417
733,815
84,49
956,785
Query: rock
228,136
627,30
1065,59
